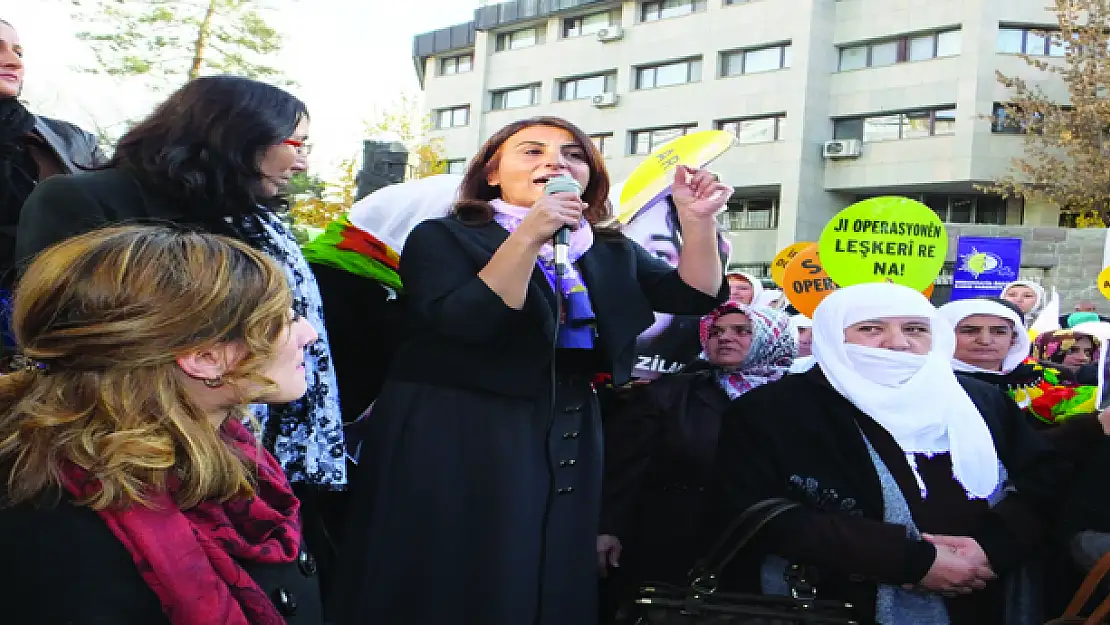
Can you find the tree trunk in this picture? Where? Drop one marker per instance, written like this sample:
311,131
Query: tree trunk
201,44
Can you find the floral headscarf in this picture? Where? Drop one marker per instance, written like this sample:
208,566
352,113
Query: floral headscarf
1053,346
771,353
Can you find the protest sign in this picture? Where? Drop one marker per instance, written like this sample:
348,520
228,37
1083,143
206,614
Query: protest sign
783,258
651,180
984,265
885,239
805,282
1104,282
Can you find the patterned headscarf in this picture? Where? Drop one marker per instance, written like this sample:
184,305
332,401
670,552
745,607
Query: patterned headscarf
1053,346
772,349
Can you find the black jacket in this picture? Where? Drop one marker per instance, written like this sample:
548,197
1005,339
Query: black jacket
799,438
462,334
65,567
76,149
660,445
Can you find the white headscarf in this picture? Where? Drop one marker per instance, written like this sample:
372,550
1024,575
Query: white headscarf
1036,288
801,363
391,213
957,311
757,285
916,398
768,298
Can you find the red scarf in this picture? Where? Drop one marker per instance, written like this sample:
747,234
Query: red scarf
190,558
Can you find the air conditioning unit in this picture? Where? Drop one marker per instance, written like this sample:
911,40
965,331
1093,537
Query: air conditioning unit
605,100
613,33
842,148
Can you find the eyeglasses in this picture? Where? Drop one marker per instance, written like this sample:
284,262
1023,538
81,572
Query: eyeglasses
300,146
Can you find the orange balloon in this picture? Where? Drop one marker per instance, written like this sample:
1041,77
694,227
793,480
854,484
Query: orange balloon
805,282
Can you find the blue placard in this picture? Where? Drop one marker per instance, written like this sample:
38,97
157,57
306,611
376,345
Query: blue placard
984,265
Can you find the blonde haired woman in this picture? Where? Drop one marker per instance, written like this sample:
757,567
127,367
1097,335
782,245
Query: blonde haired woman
136,494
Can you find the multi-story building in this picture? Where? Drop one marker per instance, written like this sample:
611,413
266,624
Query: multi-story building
831,101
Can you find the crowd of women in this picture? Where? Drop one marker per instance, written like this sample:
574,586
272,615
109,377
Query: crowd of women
172,439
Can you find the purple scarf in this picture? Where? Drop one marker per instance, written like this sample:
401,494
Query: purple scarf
577,328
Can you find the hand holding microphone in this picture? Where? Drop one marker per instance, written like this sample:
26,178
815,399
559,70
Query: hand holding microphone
554,215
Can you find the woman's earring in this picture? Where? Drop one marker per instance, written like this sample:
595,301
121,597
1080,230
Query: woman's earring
215,382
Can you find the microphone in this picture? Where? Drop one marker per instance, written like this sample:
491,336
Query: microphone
562,184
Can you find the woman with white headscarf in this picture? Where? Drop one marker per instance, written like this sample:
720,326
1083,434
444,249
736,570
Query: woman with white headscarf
1027,295
992,346
899,465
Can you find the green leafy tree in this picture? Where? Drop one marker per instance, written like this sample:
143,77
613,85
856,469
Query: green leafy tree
403,121
303,186
1066,159
169,42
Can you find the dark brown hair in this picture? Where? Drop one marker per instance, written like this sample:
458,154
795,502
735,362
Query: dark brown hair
475,193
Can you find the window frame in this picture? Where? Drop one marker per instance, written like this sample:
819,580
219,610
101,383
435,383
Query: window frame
603,141
903,46
1051,40
609,85
784,49
566,25
903,122
779,120
693,66
696,6
652,144
737,214
448,163
535,96
443,62
503,41
453,110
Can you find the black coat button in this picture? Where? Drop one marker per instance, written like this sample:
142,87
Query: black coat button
568,463
307,564
285,601
570,435
573,409
565,491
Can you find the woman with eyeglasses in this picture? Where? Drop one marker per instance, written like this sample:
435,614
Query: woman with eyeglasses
215,156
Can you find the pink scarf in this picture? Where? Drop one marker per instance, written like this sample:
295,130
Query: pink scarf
510,216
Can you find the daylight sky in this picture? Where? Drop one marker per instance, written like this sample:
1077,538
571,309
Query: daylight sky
349,58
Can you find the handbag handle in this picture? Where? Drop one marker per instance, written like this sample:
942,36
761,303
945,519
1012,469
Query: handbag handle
705,574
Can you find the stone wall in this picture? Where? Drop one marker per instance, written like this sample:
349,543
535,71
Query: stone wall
1070,259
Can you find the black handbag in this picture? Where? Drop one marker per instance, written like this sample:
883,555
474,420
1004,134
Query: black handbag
699,603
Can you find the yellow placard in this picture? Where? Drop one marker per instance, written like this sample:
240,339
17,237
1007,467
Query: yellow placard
783,258
805,282
1104,282
885,239
652,178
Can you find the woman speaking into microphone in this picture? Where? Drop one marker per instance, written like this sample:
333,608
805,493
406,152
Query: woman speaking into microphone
477,495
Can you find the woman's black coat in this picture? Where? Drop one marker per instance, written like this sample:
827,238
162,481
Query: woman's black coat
472,500
65,567
799,438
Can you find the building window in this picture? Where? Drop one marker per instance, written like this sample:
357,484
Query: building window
755,129
894,126
456,64
729,3
1031,41
662,9
517,39
590,24
900,50
750,214
514,98
676,73
452,117
647,140
455,166
755,60
587,86
967,209
604,143
758,270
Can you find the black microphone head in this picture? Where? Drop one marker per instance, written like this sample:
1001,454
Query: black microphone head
562,184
